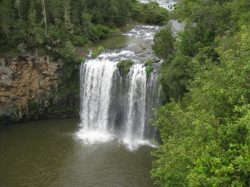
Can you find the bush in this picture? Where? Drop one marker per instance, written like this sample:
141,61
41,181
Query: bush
149,70
79,40
150,13
164,43
175,76
149,67
97,51
99,32
205,135
33,106
124,67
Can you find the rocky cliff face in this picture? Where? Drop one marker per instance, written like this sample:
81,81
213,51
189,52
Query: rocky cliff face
29,88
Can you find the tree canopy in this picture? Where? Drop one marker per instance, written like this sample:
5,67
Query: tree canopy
205,121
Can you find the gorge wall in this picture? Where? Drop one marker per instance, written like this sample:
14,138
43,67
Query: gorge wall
29,89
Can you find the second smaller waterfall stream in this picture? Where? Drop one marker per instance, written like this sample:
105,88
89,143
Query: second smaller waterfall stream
135,125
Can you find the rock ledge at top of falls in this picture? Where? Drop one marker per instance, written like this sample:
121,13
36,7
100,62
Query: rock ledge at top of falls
26,83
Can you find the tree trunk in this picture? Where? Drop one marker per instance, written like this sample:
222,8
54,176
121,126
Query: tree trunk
17,4
44,17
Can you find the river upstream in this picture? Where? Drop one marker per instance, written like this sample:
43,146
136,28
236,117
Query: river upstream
111,144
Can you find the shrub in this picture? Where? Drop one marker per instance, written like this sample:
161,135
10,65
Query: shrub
124,67
149,67
99,32
79,40
149,70
97,51
164,43
150,13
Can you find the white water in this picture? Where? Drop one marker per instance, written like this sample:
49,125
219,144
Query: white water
167,4
96,78
119,107
134,130
95,99
143,31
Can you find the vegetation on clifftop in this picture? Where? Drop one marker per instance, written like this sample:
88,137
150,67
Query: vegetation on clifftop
205,121
124,67
149,13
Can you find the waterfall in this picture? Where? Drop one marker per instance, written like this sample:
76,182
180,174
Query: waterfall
96,78
134,129
96,82
111,107
153,100
114,105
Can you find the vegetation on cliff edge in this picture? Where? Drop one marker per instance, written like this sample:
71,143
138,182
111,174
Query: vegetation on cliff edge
205,121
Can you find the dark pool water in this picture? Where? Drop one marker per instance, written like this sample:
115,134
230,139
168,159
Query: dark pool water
46,153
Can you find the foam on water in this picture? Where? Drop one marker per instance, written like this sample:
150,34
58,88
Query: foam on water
94,136
136,143
143,31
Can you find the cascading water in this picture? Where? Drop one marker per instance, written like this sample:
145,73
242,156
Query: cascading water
114,105
96,93
134,129
153,100
96,83
96,78
108,110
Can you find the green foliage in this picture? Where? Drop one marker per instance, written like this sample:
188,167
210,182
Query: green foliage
124,67
42,25
46,24
164,43
6,17
110,12
67,53
150,13
149,67
97,51
78,40
33,106
175,76
149,62
205,136
204,124
99,32
206,24
149,70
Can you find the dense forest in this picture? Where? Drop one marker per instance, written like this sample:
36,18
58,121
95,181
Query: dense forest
50,26
205,121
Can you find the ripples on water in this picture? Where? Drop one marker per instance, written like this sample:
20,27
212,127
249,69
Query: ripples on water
46,153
